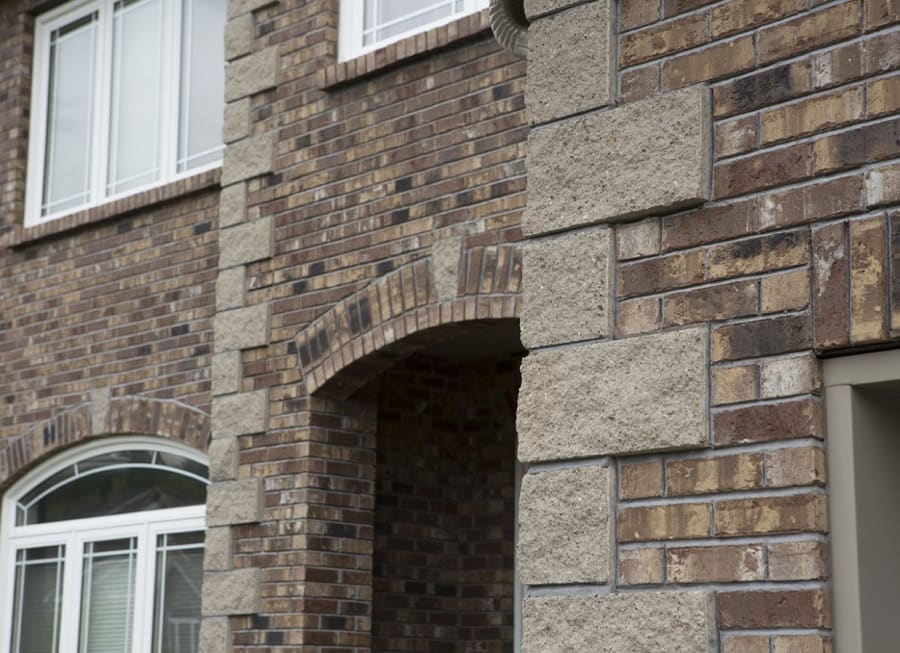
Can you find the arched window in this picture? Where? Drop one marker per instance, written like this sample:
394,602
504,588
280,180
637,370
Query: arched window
102,551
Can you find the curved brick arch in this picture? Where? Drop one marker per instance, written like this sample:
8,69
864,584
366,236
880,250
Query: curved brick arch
104,416
405,311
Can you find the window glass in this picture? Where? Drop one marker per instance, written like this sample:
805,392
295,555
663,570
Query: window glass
179,575
38,594
107,596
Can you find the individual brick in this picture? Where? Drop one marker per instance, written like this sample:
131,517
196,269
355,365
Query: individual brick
708,225
817,113
811,202
737,136
640,480
707,475
660,274
741,15
637,239
895,269
799,513
883,96
785,377
234,502
878,14
640,566
637,316
763,170
654,42
716,564
241,328
676,521
810,31
800,418
715,62
785,292
795,466
831,293
564,526
762,89
815,643
839,65
238,7
675,7
248,158
719,302
639,83
231,592
857,147
746,644
240,414
883,185
653,397
734,384
252,74
628,621
880,53
760,254
868,280
766,337
578,77
566,286
637,13
805,560
750,609
656,155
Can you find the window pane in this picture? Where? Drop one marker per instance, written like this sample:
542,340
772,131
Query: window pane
37,601
107,596
179,574
202,84
137,95
70,112
394,17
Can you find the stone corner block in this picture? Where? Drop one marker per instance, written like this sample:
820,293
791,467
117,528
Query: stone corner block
226,373
566,286
241,328
564,526
252,74
224,459
237,121
239,36
234,502
228,593
246,242
217,549
649,156
238,7
566,80
232,205
230,288
537,8
240,414
100,410
248,158
446,255
662,622
215,635
641,394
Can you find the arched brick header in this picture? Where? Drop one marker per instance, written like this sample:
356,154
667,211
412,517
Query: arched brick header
404,311
103,415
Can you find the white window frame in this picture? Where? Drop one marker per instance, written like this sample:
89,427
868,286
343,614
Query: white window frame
73,534
100,131
350,25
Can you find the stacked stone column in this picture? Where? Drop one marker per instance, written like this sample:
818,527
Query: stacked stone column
586,397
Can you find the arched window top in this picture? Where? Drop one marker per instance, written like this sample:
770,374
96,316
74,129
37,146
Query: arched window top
113,482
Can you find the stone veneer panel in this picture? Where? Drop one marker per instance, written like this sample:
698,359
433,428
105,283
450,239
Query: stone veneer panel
232,205
234,502
230,288
574,78
231,592
564,530
566,289
445,262
237,121
226,373
647,393
224,459
248,158
241,328
238,36
537,8
657,622
252,74
245,243
240,414
217,549
648,156
215,636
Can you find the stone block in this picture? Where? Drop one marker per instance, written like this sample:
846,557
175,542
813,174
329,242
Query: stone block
234,502
647,393
238,36
241,328
245,243
445,261
661,622
566,80
564,533
215,635
224,459
226,373
566,289
650,156
99,410
231,592
248,158
232,205
217,549
240,414
252,74
238,7
237,121
536,8
230,288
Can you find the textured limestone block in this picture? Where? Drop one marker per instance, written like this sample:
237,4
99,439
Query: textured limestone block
234,502
241,328
645,157
657,622
230,288
252,74
226,373
570,62
445,260
224,459
231,592
536,8
99,410
238,7
248,158
232,205
245,243
564,526
237,121
566,287
217,549
238,36
215,636
240,414
646,393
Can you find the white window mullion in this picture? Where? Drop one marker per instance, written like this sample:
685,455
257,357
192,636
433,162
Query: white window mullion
168,140
71,597
104,68
143,609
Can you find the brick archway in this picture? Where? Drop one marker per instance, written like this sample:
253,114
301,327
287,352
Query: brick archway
420,304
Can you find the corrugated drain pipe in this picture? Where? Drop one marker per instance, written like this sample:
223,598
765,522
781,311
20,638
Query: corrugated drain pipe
510,26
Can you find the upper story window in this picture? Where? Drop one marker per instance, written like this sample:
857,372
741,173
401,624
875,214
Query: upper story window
127,95
366,25
103,551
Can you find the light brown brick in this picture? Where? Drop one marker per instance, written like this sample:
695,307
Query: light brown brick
640,480
806,560
672,36
828,199
659,274
737,136
795,466
818,113
708,225
801,513
838,65
789,376
722,474
638,316
637,239
741,15
883,185
785,292
640,566
719,302
734,384
664,522
760,254
767,337
807,608
868,280
878,14
637,13
716,564
638,83
745,644
858,146
884,96
715,62
831,294
810,31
